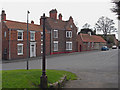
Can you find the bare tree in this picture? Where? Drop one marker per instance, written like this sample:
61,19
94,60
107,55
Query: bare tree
116,9
86,26
105,25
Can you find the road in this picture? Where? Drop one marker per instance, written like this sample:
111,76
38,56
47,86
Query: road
95,69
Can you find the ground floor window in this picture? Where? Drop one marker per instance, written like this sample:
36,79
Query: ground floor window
68,45
55,45
88,44
92,44
20,49
41,48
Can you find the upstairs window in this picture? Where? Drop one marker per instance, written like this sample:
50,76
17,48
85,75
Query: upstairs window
69,34
41,36
20,35
5,34
32,35
55,33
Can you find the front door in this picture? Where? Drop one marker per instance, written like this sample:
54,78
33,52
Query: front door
32,49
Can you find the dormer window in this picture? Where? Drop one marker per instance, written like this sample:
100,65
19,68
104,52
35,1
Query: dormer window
32,35
68,34
20,35
55,33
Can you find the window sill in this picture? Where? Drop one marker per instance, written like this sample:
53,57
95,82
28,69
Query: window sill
68,37
20,39
32,40
55,50
20,54
69,49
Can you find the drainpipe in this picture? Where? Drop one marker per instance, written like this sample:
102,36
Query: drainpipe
51,42
9,44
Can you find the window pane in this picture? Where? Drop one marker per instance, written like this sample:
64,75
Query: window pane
70,46
41,48
67,46
19,35
32,36
55,34
19,49
70,34
67,34
55,46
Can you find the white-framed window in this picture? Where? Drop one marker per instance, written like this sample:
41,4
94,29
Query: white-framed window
5,34
20,35
20,49
69,34
88,44
41,48
32,35
68,45
55,45
92,44
41,36
55,33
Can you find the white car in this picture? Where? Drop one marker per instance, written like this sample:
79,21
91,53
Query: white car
114,47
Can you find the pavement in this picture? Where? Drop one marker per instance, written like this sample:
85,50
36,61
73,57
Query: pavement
94,69
47,56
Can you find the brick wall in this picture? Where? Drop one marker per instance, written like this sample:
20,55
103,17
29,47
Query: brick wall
5,42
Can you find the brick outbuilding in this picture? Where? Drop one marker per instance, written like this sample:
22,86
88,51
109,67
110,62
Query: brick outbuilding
87,42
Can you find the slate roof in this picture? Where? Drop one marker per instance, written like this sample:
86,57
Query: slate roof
59,24
22,25
92,38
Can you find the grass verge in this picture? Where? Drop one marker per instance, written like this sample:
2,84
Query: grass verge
31,78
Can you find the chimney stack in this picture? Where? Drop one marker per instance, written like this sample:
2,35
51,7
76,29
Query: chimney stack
3,15
70,19
32,22
53,14
60,16
41,21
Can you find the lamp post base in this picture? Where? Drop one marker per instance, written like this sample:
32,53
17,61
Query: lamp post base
43,81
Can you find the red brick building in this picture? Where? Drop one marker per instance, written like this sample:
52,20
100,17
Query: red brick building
14,39
87,42
63,34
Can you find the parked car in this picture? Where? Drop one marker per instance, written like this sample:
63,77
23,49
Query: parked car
114,47
104,48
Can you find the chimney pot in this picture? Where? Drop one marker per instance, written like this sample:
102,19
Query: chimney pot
32,22
60,16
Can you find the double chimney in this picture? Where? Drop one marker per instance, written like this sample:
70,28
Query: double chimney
53,14
3,15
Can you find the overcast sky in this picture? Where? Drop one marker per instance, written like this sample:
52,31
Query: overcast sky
82,11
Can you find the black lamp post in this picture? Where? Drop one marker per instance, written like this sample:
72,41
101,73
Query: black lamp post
43,78
27,41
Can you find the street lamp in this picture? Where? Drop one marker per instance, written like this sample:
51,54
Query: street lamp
43,78
27,41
